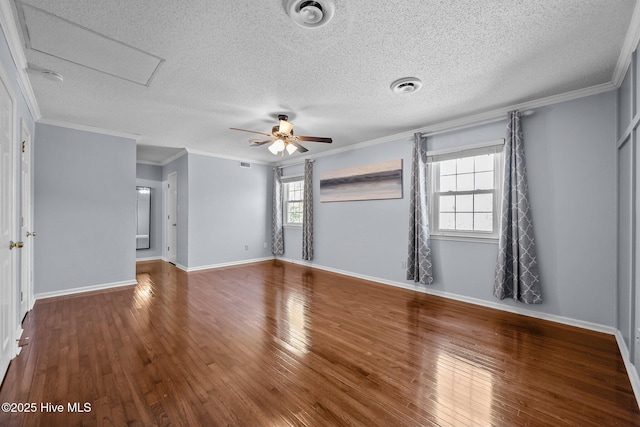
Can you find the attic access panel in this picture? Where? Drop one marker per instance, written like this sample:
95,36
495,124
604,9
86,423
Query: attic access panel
52,35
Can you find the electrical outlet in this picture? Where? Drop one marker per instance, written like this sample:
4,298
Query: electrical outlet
246,247
638,335
403,264
265,245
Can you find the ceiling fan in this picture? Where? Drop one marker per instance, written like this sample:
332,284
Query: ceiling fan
282,138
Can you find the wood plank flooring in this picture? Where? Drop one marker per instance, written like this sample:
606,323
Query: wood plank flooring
278,344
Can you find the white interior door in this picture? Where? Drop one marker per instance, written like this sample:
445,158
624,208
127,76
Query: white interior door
172,217
7,227
26,229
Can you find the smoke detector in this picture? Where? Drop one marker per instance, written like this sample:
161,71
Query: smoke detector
310,14
406,85
52,76
47,74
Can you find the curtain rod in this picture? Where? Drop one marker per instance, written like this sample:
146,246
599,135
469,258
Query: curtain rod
461,127
496,119
294,164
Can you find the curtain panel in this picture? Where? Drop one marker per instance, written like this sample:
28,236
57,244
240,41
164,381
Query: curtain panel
307,213
517,273
419,266
277,232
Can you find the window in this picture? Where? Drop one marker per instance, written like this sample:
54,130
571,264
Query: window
293,201
465,192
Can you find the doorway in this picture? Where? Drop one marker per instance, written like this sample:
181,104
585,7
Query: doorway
172,218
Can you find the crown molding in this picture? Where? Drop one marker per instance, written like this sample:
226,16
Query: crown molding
87,128
628,47
164,162
172,158
465,122
149,162
12,35
223,156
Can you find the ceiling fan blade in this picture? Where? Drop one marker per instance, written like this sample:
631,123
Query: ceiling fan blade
299,147
314,139
251,131
257,142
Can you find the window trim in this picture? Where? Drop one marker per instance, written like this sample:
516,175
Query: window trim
285,200
434,159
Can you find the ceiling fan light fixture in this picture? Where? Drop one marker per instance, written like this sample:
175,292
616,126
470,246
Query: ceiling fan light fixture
406,85
282,138
277,147
285,127
310,14
291,148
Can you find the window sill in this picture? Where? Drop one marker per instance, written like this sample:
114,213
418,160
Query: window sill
467,238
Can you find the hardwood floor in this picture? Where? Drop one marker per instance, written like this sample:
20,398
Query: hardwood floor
275,344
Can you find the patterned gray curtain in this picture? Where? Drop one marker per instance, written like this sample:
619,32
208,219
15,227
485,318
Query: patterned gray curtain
419,267
277,233
517,273
307,214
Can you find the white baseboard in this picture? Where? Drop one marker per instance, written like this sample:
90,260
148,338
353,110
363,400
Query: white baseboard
153,258
225,264
632,372
72,291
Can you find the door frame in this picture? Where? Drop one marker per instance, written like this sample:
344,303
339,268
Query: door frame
171,247
26,221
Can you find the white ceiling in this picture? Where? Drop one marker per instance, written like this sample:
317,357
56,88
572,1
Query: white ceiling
240,63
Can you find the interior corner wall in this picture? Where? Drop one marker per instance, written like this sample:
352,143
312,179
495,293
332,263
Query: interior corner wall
628,208
229,212
151,176
572,189
85,204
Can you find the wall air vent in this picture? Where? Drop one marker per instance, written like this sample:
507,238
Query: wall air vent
245,165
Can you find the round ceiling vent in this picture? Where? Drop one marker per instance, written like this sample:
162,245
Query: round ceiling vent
406,85
310,14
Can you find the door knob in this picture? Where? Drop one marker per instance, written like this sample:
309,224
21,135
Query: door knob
13,244
31,233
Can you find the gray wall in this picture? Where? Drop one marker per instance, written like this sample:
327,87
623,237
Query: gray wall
151,176
571,180
628,206
229,207
85,203
366,237
22,113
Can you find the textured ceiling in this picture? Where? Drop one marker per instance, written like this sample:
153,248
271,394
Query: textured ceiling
240,63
